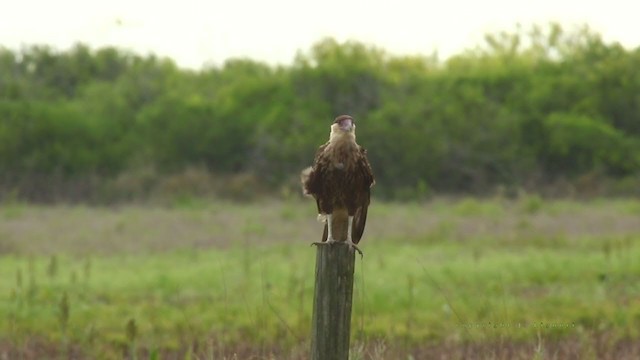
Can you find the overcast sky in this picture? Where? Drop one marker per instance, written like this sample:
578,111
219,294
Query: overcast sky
196,32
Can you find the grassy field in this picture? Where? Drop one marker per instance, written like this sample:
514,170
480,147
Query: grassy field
207,280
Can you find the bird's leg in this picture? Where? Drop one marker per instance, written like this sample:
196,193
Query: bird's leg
330,239
349,241
329,235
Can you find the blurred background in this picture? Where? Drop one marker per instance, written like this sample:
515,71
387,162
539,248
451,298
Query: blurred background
149,176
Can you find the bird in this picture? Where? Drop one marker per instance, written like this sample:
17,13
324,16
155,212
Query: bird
340,181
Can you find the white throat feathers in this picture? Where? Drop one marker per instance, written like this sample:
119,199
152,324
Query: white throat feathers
338,135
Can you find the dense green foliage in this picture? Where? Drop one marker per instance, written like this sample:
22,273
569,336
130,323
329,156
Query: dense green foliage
525,110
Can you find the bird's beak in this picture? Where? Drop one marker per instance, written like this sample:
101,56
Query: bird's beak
346,125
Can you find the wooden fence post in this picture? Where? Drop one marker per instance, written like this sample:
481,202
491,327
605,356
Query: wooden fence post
332,299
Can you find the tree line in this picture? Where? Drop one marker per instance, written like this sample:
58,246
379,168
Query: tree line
524,110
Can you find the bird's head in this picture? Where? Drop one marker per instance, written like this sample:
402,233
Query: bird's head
343,125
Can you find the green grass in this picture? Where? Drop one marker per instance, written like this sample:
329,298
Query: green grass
471,271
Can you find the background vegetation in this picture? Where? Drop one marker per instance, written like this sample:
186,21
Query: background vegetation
541,109
471,279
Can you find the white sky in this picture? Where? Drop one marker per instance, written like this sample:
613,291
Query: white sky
197,32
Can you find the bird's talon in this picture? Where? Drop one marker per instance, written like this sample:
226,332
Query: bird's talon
353,246
328,242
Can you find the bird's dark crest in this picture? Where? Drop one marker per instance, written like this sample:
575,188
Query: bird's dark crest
342,117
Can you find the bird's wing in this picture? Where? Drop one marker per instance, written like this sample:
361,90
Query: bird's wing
359,222
315,185
320,151
366,180
365,168
312,177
